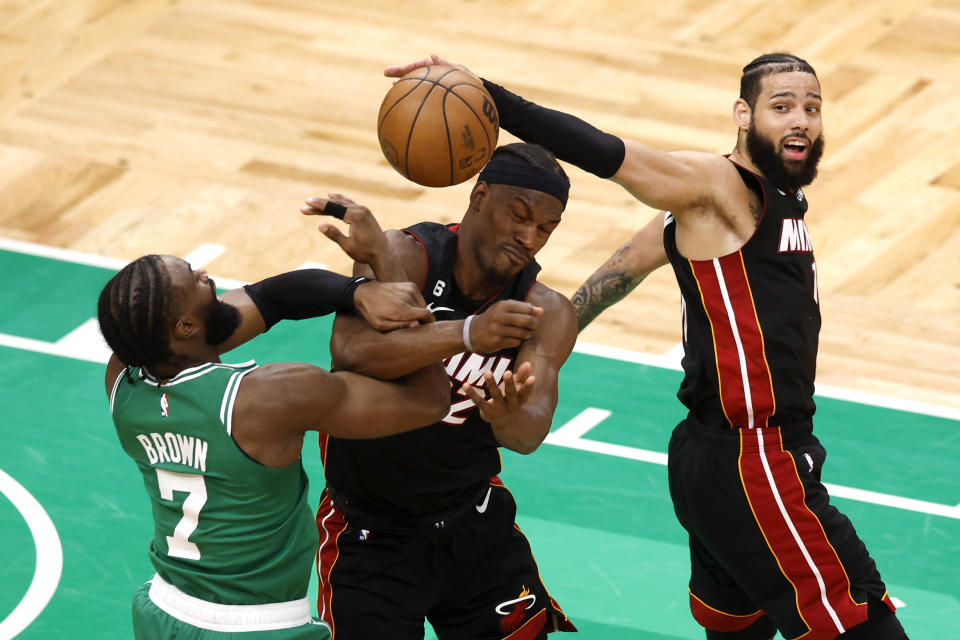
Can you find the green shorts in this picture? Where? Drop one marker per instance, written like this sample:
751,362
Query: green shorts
162,611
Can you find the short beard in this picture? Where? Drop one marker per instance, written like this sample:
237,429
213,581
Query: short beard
766,156
221,321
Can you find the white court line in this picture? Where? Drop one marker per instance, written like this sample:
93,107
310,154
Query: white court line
671,360
309,264
49,551
571,435
204,254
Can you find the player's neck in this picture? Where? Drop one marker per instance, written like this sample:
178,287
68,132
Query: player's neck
181,362
742,158
473,281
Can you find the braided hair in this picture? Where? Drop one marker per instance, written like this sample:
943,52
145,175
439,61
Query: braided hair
134,312
526,153
765,65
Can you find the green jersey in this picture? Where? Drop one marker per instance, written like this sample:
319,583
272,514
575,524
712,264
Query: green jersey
227,529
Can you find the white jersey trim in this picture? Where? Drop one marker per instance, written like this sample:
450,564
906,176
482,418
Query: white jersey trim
192,372
228,617
229,398
116,385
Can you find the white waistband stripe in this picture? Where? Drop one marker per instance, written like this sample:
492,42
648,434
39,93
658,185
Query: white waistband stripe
228,617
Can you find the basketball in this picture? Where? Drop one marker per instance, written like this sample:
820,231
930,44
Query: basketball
438,126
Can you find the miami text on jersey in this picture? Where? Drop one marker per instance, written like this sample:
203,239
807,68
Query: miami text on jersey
794,237
469,368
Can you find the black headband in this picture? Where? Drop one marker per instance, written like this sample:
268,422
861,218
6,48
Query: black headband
528,176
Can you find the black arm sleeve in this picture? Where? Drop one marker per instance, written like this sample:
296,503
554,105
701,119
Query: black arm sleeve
305,293
568,137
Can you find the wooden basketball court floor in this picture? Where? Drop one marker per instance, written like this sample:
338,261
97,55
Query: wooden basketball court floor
197,127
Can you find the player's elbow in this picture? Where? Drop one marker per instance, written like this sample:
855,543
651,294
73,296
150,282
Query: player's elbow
524,447
523,442
348,354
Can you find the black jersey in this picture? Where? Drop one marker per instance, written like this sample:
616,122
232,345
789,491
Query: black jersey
751,320
438,467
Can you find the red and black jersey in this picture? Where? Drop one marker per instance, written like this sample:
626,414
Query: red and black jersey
751,320
438,467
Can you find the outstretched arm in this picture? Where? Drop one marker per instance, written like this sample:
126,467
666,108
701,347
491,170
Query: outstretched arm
310,293
675,181
621,273
278,402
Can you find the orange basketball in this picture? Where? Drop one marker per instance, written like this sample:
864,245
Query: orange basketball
438,126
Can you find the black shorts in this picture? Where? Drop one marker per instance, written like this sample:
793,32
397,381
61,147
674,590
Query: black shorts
470,573
764,538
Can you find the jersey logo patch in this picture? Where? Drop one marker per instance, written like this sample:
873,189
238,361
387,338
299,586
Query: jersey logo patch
514,612
164,406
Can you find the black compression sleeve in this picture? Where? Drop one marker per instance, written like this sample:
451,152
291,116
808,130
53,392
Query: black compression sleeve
305,293
568,137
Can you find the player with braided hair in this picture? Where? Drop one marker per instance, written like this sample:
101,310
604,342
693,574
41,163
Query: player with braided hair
768,550
418,525
219,445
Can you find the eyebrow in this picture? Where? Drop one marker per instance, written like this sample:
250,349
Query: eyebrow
791,94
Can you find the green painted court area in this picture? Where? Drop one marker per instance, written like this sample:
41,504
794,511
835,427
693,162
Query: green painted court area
601,525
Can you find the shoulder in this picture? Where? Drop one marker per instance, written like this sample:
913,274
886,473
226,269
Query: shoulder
412,253
281,383
549,300
559,319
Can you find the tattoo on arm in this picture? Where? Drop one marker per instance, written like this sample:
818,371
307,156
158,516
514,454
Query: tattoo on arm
608,284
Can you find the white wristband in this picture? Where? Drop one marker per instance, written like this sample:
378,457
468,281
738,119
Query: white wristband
466,332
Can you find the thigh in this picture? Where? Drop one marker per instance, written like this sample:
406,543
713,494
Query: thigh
373,585
493,587
769,525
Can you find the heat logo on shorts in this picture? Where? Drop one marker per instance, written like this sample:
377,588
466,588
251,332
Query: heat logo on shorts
514,612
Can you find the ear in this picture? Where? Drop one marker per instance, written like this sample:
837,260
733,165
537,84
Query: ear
186,328
480,191
742,113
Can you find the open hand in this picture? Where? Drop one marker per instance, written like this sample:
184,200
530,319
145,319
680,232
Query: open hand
504,399
402,70
365,241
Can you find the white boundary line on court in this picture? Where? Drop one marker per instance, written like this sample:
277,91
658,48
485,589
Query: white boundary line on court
571,435
49,567
671,360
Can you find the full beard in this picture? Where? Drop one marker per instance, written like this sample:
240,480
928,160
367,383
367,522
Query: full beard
221,321
766,156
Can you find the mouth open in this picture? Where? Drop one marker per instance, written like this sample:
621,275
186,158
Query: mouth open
795,148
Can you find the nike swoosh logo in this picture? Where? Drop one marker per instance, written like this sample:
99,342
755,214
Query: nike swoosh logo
433,309
486,499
